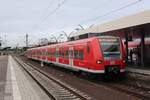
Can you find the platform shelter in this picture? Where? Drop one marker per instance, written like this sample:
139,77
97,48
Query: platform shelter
134,31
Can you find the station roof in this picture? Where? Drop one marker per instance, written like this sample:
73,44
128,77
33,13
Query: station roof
124,22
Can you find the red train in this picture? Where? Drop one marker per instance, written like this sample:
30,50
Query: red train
96,55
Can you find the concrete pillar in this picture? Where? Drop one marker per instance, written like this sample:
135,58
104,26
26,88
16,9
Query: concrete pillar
126,43
142,31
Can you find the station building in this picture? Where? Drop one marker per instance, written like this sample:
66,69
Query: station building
134,31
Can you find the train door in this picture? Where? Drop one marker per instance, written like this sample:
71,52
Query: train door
71,56
41,54
57,56
50,50
46,54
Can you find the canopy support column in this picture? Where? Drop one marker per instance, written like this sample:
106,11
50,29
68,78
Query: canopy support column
142,45
126,43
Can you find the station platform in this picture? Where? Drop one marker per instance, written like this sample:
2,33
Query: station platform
16,84
138,70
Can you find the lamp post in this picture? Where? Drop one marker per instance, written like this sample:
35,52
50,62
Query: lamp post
68,36
56,38
81,26
59,36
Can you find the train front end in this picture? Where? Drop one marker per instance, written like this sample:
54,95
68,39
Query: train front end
113,55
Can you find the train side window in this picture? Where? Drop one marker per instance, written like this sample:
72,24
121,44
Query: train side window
59,53
48,53
67,54
45,53
62,53
88,49
71,54
52,53
56,54
81,55
76,56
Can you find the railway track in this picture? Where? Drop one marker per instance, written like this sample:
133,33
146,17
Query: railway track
125,87
141,92
132,88
54,88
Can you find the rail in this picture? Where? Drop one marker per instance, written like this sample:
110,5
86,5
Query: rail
54,88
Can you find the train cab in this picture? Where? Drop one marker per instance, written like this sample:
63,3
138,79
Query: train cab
113,54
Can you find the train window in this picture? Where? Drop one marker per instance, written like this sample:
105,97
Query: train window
44,53
76,56
59,53
71,53
48,53
67,54
81,55
52,53
88,49
62,52
56,54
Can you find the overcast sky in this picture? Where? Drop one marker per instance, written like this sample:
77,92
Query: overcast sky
41,18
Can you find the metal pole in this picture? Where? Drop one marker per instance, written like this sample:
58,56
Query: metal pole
59,37
55,38
69,36
66,35
81,26
27,40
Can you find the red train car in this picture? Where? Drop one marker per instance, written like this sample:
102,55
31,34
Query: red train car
97,55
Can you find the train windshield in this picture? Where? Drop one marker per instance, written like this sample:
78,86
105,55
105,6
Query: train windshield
110,48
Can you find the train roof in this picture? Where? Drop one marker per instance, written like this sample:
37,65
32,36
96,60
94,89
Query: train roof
72,42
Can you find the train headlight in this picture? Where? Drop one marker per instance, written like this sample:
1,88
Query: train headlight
124,61
99,62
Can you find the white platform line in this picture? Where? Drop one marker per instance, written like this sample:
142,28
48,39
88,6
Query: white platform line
16,92
140,71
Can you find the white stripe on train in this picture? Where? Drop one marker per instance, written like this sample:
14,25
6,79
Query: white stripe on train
76,68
